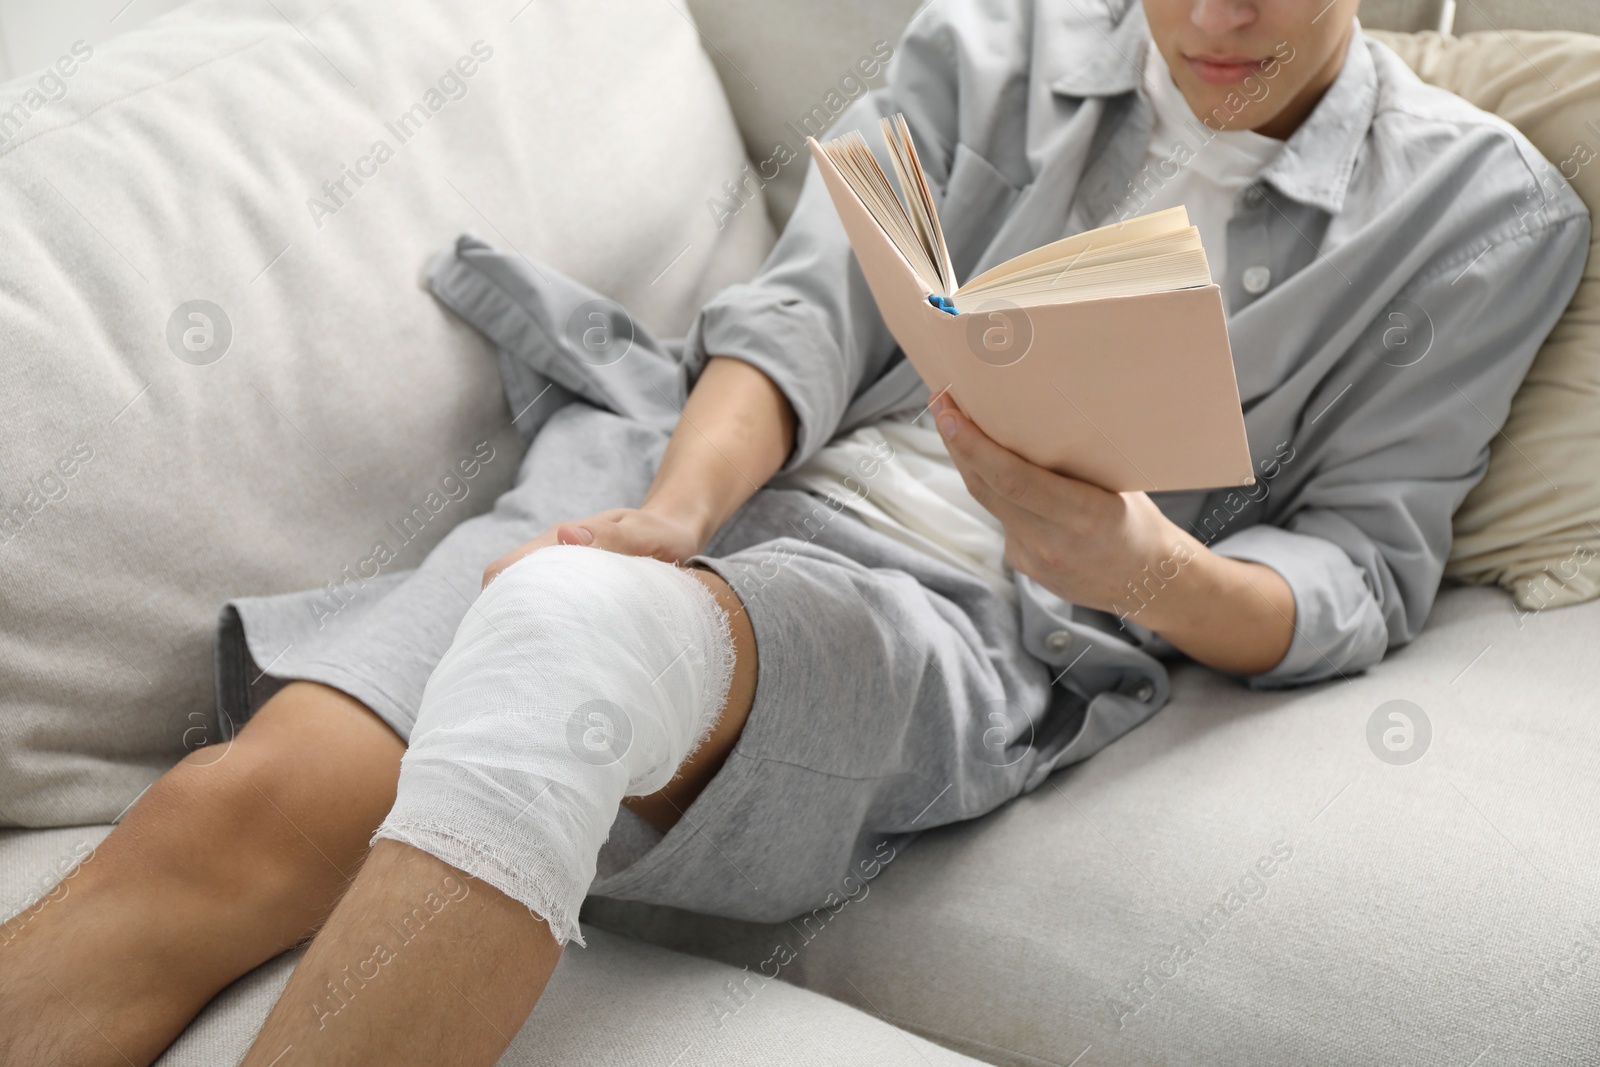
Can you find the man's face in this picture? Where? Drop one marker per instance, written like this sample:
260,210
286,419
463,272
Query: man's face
1257,65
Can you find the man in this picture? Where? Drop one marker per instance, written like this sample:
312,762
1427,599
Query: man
824,680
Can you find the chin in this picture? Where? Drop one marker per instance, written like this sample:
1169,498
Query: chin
1221,109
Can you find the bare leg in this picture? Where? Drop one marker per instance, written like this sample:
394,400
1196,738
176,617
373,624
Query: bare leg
232,857
458,991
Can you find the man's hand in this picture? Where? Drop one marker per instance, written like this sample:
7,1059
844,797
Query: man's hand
628,531
1077,540
735,432
1118,553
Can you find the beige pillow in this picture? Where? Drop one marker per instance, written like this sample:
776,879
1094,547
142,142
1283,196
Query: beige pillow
1533,523
210,157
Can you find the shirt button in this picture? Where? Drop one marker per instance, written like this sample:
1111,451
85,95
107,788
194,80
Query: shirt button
1256,280
1058,641
1144,692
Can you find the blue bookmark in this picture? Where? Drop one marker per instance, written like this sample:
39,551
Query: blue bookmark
942,303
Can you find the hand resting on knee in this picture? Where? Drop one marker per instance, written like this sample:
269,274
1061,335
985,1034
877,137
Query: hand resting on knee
650,532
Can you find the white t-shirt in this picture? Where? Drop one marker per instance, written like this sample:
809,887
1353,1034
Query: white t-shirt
914,493
1191,164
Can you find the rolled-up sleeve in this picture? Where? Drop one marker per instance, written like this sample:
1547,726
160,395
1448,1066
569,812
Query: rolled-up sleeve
1363,540
807,320
1338,623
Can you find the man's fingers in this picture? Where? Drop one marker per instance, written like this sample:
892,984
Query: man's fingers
1004,475
1007,511
621,530
625,535
601,533
494,569
576,533
993,501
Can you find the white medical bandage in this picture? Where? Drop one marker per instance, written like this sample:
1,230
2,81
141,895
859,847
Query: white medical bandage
578,677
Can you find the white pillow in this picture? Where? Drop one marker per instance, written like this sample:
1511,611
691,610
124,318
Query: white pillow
144,483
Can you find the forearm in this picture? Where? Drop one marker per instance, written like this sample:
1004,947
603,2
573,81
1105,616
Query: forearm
736,430
1231,614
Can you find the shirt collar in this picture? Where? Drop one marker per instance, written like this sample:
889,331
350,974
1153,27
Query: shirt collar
1091,49
1318,159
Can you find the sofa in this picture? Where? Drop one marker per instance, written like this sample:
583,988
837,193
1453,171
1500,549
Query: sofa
1248,878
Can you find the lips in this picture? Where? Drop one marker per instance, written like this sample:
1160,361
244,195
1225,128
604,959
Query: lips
1225,70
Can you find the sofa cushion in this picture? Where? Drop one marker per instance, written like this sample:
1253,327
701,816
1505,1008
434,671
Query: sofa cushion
789,70
285,177
615,1003
1533,523
1476,15
1258,878
1493,16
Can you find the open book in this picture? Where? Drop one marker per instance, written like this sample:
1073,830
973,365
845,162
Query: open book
1103,356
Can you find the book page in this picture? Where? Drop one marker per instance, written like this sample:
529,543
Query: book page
1152,253
919,198
1186,269
860,170
1167,244
1061,253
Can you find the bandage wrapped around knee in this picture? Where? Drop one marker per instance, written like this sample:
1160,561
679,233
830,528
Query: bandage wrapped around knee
578,677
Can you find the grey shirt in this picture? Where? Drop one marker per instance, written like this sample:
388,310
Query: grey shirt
1390,276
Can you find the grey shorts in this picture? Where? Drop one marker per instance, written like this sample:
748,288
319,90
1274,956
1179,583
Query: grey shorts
893,693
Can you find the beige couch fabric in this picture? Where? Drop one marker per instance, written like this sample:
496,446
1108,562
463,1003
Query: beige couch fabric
617,1003
1533,523
1479,15
294,170
789,70
1245,880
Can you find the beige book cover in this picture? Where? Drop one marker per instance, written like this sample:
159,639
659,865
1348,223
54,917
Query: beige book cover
1127,392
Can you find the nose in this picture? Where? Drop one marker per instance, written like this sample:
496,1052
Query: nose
1219,17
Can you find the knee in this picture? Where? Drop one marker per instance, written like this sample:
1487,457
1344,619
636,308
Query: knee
295,795
569,609
592,580
221,795
568,633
